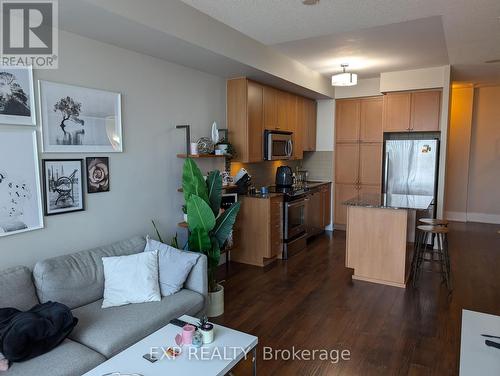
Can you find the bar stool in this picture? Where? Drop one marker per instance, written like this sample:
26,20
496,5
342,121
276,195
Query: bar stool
434,221
441,233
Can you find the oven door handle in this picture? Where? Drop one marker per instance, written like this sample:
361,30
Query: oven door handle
290,148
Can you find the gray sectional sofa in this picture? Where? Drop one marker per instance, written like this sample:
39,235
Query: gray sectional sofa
77,281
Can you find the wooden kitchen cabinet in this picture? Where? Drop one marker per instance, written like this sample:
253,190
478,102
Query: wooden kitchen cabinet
347,120
358,150
314,213
253,108
347,163
343,192
284,108
309,124
244,119
326,197
425,111
412,111
371,124
397,112
270,107
261,238
370,163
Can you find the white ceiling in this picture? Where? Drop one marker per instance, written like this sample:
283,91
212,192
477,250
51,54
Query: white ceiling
378,36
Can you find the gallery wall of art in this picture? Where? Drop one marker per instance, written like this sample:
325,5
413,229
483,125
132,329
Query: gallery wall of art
107,182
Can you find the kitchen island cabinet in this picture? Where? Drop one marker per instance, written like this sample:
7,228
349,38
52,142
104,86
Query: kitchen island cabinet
379,236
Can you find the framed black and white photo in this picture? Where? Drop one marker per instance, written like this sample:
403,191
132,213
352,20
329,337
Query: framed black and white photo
97,174
20,197
17,103
78,119
63,186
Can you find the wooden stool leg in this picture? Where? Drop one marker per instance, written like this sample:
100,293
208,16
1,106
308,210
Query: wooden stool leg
447,258
420,258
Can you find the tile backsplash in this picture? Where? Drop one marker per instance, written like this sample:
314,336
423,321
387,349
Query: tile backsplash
319,164
263,173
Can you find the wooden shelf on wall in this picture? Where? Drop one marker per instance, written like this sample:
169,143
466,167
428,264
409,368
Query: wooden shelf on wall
201,156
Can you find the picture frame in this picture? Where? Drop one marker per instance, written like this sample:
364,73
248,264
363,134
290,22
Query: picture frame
17,102
20,188
98,174
77,119
63,186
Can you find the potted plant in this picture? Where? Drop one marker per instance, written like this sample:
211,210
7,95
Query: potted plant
208,227
206,329
184,213
226,147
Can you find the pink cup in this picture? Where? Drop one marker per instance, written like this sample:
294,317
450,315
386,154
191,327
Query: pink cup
187,334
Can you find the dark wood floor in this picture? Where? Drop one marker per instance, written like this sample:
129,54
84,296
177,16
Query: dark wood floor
310,302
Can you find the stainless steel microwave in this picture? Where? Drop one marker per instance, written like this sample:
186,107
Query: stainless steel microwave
277,145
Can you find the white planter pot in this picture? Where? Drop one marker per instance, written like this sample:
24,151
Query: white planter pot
216,302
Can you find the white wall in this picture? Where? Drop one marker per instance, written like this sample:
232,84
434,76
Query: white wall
425,78
156,95
324,124
366,87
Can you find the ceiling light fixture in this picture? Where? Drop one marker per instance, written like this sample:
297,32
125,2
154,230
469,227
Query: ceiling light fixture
494,61
310,2
344,78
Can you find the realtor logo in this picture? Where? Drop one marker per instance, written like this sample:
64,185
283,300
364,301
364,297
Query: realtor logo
29,33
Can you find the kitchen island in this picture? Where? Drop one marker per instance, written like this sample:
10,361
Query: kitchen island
379,236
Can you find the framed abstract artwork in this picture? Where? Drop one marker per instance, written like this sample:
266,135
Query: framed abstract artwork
76,119
20,197
97,174
63,186
17,103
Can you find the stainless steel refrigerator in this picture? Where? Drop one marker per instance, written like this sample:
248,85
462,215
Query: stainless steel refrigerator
410,167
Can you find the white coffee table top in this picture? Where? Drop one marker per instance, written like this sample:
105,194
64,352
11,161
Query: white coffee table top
234,343
475,357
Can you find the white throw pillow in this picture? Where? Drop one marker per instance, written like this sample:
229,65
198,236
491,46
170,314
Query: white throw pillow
131,279
174,265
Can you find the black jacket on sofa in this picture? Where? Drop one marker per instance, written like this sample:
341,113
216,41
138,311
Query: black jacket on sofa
25,335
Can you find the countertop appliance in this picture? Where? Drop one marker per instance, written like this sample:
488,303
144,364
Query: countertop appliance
284,176
277,145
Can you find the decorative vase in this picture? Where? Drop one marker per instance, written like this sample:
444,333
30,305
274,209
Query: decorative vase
205,146
216,302
207,333
215,133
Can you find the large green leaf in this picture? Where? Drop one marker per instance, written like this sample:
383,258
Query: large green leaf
214,183
199,214
224,224
193,182
199,241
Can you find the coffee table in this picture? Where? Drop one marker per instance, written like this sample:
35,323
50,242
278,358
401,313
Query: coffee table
229,347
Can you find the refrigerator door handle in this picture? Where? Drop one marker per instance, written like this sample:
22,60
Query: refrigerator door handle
386,172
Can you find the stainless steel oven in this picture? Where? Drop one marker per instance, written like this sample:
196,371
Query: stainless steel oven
277,145
294,233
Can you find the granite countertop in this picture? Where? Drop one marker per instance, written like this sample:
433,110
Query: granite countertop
390,201
310,185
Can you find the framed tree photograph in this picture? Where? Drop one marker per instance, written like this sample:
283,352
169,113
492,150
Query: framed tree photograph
17,103
20,197
78,119
97,174
63,186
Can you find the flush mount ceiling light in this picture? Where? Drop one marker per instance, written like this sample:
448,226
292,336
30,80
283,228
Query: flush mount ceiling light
344,78
310,2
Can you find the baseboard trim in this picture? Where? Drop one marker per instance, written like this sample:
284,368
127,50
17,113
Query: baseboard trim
483,218
472,217
456,216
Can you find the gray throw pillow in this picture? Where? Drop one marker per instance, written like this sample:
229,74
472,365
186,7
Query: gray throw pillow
174,265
